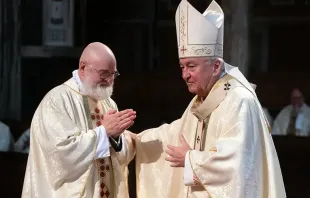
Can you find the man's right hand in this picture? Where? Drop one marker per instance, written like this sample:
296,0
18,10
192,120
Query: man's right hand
116,122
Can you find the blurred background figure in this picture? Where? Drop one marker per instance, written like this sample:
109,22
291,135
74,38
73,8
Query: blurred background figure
23,142
6,138
294,119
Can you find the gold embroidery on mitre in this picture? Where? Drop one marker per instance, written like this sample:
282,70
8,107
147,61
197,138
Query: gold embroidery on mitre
183,30
187,49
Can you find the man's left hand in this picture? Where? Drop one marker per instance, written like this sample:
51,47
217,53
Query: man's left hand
177,153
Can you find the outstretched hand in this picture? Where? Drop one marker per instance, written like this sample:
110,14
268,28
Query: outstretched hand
177,153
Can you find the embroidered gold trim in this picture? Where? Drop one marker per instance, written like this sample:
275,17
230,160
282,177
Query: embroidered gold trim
213,149
87,111
205,125
196,134
112,178
186,49
221,82
75,90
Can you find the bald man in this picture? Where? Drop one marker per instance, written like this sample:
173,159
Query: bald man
78,147
293,119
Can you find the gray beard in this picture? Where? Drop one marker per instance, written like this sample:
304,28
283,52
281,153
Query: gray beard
96,91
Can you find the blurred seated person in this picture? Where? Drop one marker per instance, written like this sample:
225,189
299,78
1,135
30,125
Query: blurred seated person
6,138
22,144
293,119
269,117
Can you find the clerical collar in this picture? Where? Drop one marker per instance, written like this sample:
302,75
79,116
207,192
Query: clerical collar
77,80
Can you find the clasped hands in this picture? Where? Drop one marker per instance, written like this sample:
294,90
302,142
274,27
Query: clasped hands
115,123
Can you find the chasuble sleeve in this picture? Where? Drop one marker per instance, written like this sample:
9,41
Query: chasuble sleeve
68,150
188,173
150,144
127,153
230,167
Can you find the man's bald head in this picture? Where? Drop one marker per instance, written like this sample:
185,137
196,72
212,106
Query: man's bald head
96,57
97,53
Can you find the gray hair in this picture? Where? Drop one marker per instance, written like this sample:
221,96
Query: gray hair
211,59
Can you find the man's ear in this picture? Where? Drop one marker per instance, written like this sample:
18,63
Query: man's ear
217,64
82,66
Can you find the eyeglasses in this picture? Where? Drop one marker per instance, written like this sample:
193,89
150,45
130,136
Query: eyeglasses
105,75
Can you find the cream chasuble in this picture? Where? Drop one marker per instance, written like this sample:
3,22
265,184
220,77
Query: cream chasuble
233,156
62,161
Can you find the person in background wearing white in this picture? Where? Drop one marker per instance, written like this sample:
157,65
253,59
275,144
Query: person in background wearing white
294,119
6,138
22,144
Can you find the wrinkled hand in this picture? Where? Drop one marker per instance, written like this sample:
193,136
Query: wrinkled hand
116,122
177,153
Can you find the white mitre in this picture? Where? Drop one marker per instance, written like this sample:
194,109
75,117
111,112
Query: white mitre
199,35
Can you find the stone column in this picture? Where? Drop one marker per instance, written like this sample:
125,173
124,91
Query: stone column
236,49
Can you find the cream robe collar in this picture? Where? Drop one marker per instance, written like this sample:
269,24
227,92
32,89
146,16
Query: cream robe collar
233,78
75,82
215,97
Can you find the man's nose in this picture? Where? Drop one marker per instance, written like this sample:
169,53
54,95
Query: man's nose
185,75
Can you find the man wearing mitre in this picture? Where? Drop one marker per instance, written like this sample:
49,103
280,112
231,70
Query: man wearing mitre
221,146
